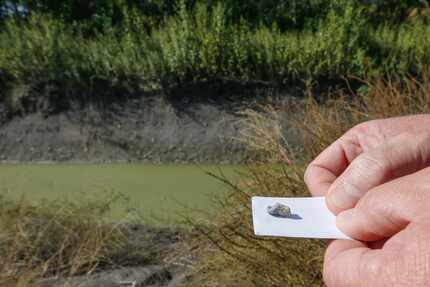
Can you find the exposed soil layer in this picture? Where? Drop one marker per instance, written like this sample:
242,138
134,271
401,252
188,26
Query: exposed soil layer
194,123
147,129
189,123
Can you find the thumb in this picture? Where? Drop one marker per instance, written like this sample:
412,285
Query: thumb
401,155
351,263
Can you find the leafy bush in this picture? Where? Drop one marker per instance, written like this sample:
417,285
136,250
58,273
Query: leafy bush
202,44
285,14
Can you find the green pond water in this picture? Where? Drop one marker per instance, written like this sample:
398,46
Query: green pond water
159,194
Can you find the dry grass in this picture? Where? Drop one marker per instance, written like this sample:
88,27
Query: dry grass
62,238
229,253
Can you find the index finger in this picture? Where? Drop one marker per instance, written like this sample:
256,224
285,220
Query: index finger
331,163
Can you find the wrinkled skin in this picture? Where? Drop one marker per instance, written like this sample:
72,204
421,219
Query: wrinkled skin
376,179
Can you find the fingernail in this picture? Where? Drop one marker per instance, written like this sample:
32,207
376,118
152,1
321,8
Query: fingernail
343,196
344,219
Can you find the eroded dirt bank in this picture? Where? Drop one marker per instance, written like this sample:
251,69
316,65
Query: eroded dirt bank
147,130
198,123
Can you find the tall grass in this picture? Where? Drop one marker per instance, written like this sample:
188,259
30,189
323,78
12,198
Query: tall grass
229,253
200,44
61,238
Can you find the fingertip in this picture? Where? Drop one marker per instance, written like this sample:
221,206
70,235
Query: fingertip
333,208
341,196
352,223
307,175
317,180
344,220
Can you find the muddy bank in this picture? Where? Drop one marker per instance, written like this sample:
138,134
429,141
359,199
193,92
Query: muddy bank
195,123
146,130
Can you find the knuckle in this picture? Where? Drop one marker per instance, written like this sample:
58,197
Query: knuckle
374,163
379,214
371,201
365,127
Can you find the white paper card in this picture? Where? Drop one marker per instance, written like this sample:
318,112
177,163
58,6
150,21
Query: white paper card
310,218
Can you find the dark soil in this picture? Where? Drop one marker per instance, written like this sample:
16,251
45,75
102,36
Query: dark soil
195,123
147,130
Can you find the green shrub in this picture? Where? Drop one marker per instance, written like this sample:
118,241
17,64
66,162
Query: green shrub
201,44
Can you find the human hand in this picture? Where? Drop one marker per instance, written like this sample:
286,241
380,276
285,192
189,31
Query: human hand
368,155
393,220
377,175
